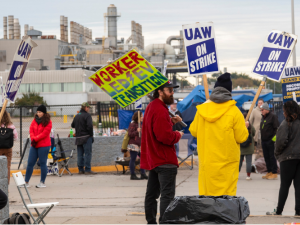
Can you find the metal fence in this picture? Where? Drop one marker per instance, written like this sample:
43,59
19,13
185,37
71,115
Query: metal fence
62,117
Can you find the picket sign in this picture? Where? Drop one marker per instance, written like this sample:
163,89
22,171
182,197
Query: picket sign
201,50
17,70
274,57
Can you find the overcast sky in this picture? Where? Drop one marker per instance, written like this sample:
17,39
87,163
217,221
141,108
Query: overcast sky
240,26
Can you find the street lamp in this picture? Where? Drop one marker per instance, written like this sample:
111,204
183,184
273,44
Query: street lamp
293,31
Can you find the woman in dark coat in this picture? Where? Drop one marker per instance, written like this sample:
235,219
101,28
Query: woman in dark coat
287,152
247,150
134,146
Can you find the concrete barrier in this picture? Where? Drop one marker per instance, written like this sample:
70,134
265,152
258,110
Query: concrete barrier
4,213
105,150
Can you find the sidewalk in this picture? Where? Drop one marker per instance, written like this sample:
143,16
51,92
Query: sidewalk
112,198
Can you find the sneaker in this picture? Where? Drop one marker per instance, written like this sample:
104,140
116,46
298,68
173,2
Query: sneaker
90,173
272,177
274,213
40,185
297,214
27,185
268,174
248,178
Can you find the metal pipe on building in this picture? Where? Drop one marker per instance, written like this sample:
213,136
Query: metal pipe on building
26,26
11,27
4,27
112,24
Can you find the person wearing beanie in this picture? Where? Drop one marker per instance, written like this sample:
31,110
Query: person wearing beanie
40,129
268,128
219,127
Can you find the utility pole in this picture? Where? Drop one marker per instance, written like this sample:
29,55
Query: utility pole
293,31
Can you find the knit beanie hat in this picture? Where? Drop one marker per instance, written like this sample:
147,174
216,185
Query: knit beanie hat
265,106
224,81
42,108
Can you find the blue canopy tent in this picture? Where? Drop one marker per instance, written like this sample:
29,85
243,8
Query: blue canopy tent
197,95
125,117
240,99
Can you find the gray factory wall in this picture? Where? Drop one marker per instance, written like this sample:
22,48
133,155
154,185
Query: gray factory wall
46,50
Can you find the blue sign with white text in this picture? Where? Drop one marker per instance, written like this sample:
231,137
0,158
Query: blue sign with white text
202,57
14,79
271,62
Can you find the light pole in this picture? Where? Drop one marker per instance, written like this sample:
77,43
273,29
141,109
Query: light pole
293,31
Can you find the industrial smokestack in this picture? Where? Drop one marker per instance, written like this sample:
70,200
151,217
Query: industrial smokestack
66,29
11,27
26,27
62,28
4,27
16,29
112,24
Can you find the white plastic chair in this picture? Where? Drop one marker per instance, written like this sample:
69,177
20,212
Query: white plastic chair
20,182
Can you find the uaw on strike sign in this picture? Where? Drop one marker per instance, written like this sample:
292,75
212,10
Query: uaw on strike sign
18,68
199,40
291,83
128,78
275,54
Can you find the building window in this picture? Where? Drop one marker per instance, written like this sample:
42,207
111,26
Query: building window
46,87
55,87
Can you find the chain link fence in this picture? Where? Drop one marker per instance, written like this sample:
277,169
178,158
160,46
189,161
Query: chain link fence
62,117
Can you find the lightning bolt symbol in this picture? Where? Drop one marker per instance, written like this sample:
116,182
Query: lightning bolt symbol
129,75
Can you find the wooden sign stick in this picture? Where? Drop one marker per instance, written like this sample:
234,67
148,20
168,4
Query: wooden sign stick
262,84
139,121
3,109
205,84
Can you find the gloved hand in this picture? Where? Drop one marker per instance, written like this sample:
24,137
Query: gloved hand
33,143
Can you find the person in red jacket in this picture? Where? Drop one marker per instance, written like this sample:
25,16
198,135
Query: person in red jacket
40,129
158,152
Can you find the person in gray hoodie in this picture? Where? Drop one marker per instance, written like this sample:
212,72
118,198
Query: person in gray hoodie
287,152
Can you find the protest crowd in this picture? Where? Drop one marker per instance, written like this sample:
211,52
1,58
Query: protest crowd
226,138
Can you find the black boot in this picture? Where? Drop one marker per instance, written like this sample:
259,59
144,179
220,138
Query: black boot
134,177
144,176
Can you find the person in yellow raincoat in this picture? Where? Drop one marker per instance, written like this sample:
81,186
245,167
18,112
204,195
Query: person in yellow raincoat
219,127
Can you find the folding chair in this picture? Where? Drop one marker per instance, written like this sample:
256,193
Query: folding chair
20,182
59,157
192,147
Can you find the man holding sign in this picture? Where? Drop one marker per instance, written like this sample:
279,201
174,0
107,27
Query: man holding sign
158,152
219,127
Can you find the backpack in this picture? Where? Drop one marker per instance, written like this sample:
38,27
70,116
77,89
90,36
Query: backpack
17,218
248,142
125,142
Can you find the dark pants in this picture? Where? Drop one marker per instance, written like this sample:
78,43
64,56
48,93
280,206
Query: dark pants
161,182
133,155
289,171
84,156
3,199
42,155
248,162
268,150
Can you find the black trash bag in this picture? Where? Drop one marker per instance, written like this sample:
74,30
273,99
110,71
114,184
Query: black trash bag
207,209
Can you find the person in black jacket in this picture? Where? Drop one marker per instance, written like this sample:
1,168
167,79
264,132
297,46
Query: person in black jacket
268,128
177,126
3,199
83,125
287,152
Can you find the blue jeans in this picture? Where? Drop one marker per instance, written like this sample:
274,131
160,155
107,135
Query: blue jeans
84,156
42,155
133,155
